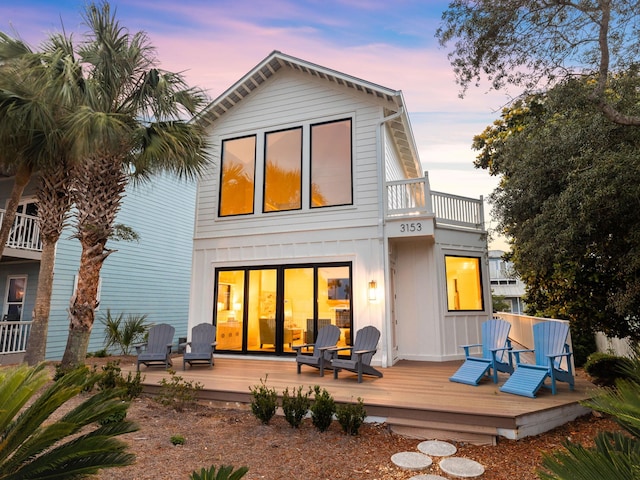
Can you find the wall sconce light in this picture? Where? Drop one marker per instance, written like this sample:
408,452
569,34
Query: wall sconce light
373,291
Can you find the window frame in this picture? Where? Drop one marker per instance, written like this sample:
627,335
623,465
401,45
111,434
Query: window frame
317,124
480,279
221,176
264,174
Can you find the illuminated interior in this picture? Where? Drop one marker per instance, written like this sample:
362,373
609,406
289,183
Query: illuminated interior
281,306
283,166
464,285
238,176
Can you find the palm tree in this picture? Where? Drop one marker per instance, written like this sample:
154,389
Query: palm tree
129,121
34,91
34,446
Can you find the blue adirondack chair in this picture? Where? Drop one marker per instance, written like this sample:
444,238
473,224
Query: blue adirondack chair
495,345
551,348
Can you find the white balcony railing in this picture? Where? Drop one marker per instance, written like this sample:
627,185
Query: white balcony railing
14,336
25,232
411,197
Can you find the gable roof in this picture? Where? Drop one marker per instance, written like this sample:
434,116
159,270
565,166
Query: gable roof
398,123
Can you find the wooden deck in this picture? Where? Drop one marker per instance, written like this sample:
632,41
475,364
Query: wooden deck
413,398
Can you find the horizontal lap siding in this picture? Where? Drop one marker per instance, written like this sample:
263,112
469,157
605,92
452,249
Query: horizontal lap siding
148,277
287,100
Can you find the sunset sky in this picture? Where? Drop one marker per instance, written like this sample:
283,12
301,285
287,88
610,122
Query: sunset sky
215,42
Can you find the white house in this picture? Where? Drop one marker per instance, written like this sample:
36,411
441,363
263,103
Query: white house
316,210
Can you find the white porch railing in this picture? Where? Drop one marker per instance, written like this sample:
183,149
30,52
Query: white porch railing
25,232
14,336
522,331
456,210
411,197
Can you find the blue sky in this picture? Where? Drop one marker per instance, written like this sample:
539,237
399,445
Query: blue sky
215,42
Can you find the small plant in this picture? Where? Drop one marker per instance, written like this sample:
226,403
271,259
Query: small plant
178,393
177,439
295,406
322,409
224,473
264,401
111,377
351,416
124,333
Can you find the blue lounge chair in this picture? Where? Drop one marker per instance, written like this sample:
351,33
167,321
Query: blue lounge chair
494,359
550,347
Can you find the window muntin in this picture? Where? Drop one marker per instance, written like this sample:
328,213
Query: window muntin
464,283
331,171
282,170
237,178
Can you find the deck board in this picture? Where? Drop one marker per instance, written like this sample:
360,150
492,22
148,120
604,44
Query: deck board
410,391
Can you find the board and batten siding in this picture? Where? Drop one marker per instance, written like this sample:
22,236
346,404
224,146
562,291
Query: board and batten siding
150,276
287,100
393,168
465,327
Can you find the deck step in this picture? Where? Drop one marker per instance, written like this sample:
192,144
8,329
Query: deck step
429,430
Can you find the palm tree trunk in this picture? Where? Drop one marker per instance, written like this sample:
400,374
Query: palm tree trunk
54,203
83,304
37,343
23,175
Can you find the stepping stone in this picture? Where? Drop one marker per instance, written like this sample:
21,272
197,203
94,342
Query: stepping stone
436,448
461,467
411,460
428,477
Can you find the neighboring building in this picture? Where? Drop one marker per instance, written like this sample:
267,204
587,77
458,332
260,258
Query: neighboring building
505,282
149,277
316,211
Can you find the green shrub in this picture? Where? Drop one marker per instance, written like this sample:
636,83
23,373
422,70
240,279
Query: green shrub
111,377
98,354
124,333
322,409
351,416
178,393
177,440
224,473
604,368
264,401
295,406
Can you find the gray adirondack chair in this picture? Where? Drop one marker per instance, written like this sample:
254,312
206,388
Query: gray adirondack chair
495,345
201,347
362,352
327,338
157,349
551,348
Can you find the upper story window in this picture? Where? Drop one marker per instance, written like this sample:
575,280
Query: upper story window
237,178
331,164
283,170
464,283
275,160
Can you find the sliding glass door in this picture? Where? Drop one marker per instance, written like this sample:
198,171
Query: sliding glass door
271,309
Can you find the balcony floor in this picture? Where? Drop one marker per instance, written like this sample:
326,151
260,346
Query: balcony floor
413,398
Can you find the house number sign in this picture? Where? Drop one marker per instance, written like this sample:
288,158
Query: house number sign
410,229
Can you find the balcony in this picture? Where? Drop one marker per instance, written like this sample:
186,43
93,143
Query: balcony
24,237
413,198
